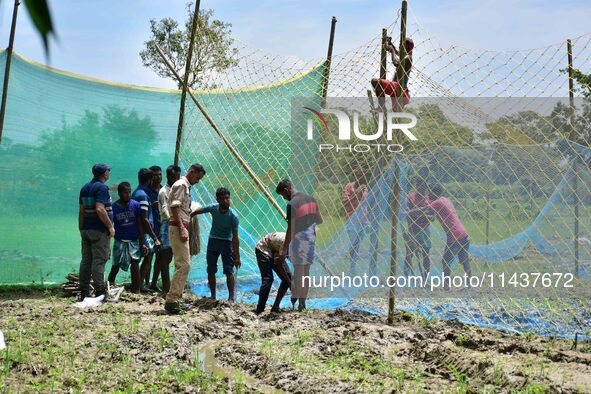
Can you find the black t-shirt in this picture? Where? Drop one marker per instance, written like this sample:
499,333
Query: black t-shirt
303,211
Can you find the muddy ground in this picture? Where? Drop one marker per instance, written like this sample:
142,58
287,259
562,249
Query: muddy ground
133,346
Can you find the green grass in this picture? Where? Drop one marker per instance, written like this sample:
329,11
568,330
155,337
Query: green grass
350,362
54,353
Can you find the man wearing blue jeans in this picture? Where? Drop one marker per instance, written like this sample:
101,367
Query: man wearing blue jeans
95,222
223,240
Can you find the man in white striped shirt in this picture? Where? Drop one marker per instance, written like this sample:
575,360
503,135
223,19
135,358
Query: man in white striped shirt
267,252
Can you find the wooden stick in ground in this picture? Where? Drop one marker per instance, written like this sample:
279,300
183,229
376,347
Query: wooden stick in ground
328,60
7,66
395,201
573,137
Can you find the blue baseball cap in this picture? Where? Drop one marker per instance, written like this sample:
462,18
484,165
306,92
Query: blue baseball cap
99,169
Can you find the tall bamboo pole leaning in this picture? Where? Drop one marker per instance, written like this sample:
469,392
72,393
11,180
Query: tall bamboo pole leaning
573,137
179,131
333,24
7,67
233,150
395,200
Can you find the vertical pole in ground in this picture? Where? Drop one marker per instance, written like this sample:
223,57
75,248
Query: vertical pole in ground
395,200
573,137
179,132
383,68
487,215
381,160
7,67
333,25
489,185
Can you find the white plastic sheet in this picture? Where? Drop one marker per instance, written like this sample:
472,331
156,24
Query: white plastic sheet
90,302
2,343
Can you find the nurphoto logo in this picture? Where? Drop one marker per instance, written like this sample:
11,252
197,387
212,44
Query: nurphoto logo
402,121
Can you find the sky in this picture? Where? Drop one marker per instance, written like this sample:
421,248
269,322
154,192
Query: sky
102,39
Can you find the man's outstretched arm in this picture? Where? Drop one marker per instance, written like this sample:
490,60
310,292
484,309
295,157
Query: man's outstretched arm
198,211
390,47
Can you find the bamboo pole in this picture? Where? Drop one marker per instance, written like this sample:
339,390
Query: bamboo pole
179,132
395,200
333,24
383,69
384,55
489,185
7,67
222,136
573,137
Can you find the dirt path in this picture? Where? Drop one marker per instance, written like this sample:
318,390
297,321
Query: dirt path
133,346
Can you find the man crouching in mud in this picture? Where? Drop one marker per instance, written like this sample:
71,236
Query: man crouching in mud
266,252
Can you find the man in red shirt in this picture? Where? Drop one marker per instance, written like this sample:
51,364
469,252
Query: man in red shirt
458,241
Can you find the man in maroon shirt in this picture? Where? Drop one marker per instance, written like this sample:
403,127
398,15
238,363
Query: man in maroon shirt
300,239
458,241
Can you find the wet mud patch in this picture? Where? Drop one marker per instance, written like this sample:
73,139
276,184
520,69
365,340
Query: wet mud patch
217,346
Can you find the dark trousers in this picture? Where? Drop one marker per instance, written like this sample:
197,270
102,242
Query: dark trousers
460,249
267,266
96,252
358,232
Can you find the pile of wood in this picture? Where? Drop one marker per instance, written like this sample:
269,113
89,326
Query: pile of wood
72,287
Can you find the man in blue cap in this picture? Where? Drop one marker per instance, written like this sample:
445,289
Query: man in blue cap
95,222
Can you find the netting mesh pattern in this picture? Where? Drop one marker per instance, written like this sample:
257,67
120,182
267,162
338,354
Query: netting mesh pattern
515,180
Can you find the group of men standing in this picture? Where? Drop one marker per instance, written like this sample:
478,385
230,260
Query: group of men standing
154,220
141,222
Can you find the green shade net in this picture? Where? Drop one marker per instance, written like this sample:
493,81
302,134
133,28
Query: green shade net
515,175
58,125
